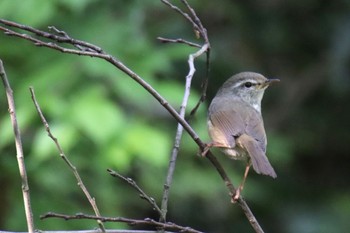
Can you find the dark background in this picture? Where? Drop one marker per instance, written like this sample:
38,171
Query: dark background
104,120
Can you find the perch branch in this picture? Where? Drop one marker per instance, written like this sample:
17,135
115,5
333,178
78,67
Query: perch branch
65,158
19,150
119,65
132,222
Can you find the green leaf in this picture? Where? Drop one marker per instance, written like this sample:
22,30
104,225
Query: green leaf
148,143
32,12
76,5
117,156
95,115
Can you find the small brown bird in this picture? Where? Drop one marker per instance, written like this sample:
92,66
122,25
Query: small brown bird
235,123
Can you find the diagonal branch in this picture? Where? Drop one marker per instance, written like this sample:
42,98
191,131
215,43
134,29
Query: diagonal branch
19,150
64,157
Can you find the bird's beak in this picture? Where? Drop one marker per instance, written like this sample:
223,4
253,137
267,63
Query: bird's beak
269,81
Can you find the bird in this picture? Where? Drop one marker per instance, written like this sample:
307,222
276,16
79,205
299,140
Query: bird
235,123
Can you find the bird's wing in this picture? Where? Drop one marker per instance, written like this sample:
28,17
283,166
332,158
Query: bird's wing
232,118
225,127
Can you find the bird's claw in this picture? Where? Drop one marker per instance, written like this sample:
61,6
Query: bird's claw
203,152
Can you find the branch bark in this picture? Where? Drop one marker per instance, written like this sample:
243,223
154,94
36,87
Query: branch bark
19,150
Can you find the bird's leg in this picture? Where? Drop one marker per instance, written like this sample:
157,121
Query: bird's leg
207,147
240,188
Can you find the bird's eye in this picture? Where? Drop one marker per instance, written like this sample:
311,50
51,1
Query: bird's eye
248,84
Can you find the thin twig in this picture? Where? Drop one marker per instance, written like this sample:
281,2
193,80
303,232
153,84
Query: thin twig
119,65
179,41
179,132
109,58
201,99
202,31
133,184
65,158
19,150
132,222
50,36
204,34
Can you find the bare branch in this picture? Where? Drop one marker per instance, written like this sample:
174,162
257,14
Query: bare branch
19,150
118,64
204,34
64,157
180,41
201,99
205,48
61,39
133,184
197,21
132,222
179,131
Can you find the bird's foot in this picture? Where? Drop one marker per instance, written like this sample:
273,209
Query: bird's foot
236,197
209,145
205,150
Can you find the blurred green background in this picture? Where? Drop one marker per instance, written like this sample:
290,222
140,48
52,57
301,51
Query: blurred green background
104,120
